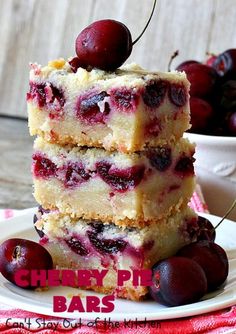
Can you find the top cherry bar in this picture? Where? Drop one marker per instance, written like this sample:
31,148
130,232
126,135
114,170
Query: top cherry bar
126,110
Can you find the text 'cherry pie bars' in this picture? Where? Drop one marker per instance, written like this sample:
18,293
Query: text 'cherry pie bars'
112,172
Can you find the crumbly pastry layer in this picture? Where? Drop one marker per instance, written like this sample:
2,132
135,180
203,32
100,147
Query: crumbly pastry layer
127,189
86,244
126,110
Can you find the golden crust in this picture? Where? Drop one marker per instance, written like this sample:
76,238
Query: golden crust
54,138
139,222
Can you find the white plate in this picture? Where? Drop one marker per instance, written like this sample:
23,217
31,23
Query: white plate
41,302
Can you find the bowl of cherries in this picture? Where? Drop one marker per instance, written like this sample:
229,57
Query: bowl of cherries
213,119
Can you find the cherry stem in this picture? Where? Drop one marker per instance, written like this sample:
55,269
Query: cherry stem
227,213
174,55
147,24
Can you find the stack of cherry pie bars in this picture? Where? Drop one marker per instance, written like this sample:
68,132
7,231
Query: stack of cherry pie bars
112,172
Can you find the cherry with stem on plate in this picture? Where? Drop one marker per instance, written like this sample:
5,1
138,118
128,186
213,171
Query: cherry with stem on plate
206,230
106,44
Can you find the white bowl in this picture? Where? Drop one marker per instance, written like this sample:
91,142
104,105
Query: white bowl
215,169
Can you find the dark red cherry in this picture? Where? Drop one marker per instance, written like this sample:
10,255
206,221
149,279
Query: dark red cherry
201,77
212,258
225,63
206,230
231,124
104,44
228,95
177,281
21,254
201,113
181,67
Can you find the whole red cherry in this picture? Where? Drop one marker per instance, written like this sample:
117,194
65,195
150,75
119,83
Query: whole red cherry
201,77
104,44
225,63
177,281
231,124
212,258
201,113
21,254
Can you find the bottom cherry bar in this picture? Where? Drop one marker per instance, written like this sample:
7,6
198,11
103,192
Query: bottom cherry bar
92,245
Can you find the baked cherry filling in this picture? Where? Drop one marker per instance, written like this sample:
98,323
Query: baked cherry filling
49,96
156,90
72,174
100,244
153,128
76,246
93,108
75,174
106,246
160,158
124,99
184,166
154,93
120,179
43,167
178,94
97,226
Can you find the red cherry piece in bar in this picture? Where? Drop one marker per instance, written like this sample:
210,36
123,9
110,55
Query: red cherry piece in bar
76,246
104,44
43,167
154,93
106,246
120,180
88,110
178,95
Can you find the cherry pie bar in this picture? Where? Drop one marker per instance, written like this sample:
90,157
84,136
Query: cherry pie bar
125,110
112,172
92,244
127,189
